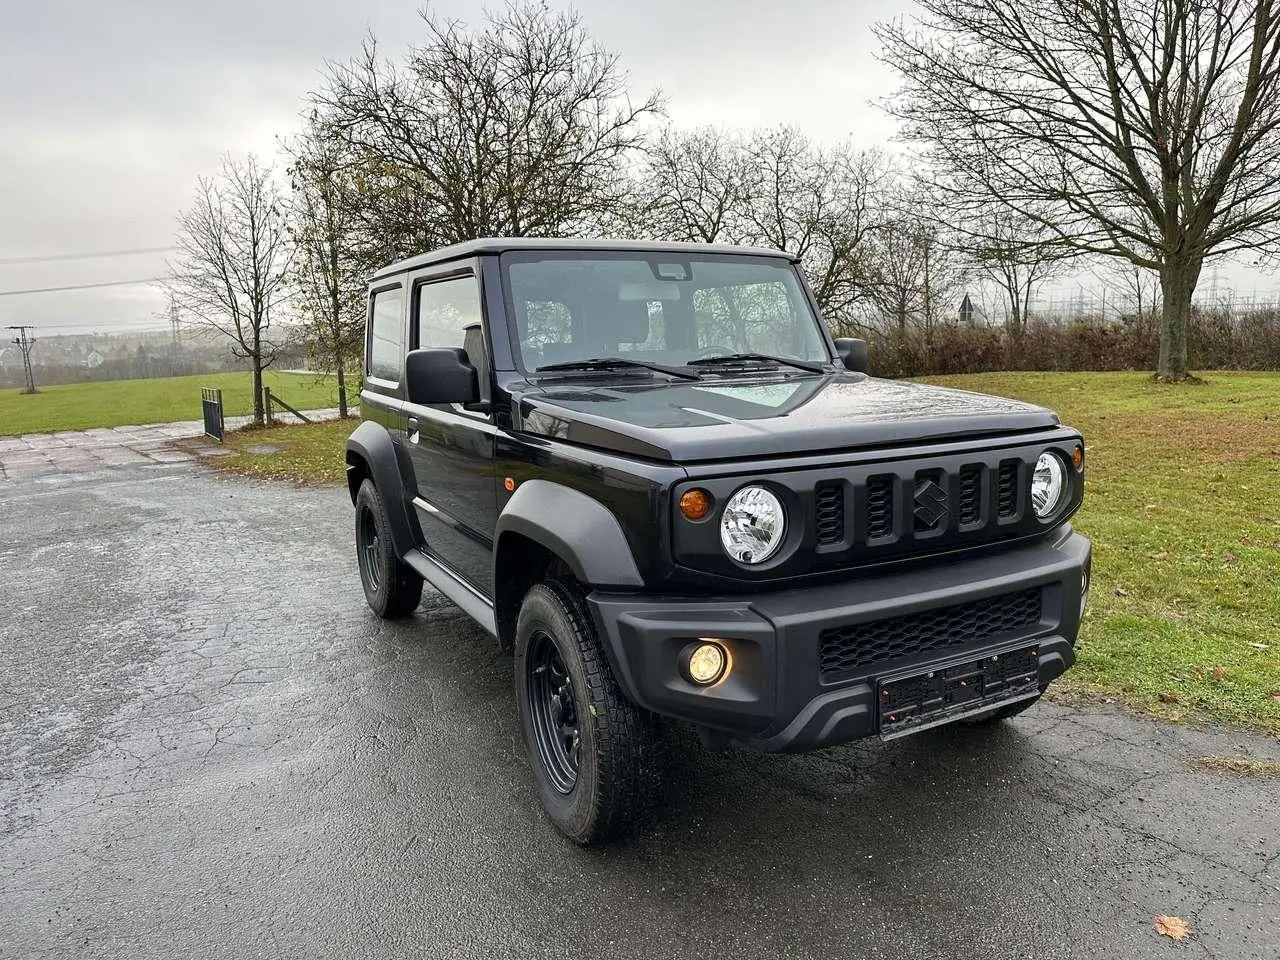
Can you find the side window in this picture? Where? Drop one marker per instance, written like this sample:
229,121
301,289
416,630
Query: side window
386,339
445,309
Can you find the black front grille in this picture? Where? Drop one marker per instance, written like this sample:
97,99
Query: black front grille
1007,488
828,501
879,506
970,510
854,650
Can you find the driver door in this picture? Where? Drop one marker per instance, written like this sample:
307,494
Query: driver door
451,447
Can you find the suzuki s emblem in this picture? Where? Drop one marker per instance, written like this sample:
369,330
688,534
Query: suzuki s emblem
930,504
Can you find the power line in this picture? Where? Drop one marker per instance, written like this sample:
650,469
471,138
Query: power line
82,286
142,323
99,254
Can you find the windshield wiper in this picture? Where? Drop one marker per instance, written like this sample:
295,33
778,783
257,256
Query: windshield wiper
744,358
612,363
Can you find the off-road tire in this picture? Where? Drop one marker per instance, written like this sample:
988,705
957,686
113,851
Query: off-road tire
617,767
392,587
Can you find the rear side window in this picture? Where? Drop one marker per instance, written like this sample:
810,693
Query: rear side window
386,336
445,309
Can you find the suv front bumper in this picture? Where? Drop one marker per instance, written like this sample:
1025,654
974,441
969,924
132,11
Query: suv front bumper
806,663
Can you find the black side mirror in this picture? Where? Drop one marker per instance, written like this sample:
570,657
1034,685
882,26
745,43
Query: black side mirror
440,375
854,354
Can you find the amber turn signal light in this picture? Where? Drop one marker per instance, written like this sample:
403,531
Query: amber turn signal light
1077,458
695,504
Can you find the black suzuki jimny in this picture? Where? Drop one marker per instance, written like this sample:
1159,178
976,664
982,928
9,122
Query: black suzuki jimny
649,471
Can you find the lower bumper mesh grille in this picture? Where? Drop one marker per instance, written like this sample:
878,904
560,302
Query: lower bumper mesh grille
850,651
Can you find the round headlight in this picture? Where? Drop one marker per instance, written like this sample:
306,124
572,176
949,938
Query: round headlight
752,525
1048,484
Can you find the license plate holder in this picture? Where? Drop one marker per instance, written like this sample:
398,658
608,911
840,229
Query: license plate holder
915,701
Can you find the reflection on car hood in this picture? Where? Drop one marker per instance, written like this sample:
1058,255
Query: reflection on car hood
733,418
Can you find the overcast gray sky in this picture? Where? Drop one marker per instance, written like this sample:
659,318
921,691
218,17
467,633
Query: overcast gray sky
111,110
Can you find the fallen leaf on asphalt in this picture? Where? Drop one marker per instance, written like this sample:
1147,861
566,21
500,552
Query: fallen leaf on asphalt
1173,927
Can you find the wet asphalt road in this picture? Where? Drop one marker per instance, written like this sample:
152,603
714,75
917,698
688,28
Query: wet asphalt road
210,748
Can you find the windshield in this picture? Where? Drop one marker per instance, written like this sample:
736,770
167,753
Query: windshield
657,308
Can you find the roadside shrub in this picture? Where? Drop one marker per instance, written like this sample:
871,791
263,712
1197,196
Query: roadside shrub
1219,339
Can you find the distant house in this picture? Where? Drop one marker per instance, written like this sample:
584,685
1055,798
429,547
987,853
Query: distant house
93,359
971,313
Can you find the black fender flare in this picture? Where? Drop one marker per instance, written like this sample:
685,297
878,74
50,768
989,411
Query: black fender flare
579,529
371,452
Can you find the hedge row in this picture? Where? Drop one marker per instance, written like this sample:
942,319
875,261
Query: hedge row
1218,340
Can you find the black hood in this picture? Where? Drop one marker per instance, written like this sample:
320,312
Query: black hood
742,417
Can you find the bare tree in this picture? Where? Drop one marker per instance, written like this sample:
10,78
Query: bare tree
519,128
1139,287
1139,129
772,188
915,271
233,256
1015,252
327,275
819,204
693,187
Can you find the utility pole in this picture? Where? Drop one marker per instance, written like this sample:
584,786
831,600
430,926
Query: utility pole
25,343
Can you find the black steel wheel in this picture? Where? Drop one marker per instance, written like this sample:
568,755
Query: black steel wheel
369,548
593,751
554,712
392,588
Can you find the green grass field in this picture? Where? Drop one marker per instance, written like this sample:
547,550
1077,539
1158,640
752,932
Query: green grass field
112,403
1183,506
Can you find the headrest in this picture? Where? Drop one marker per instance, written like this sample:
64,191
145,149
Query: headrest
628,321
473,342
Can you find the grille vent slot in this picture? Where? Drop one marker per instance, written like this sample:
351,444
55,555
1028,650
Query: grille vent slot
829,513
879,506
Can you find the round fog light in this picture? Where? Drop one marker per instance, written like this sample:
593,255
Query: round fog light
704,663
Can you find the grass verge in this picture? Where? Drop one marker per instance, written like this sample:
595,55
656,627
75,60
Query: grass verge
307,453
113,403
1241,766
1183,507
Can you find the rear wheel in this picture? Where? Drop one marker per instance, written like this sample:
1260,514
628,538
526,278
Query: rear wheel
392,588
592,750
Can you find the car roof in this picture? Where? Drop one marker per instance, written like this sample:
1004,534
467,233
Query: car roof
472,248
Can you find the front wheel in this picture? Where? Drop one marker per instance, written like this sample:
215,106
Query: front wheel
592,750
392,587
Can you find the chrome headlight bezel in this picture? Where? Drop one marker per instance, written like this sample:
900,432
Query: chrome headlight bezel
753,525
1050,486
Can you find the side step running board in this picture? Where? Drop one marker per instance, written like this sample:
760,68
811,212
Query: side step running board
472,602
